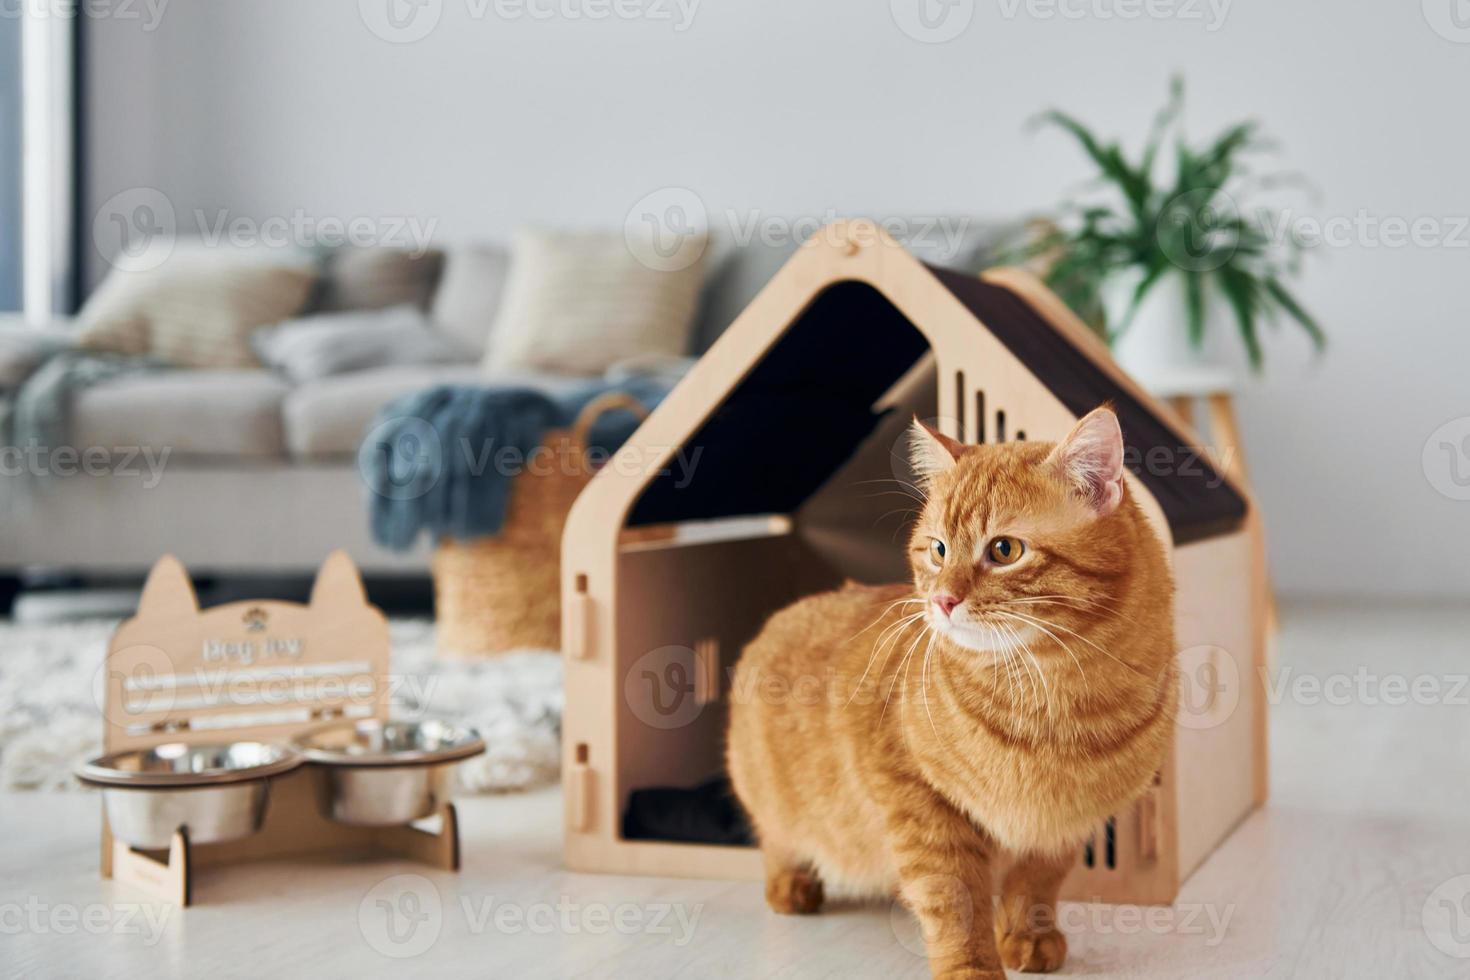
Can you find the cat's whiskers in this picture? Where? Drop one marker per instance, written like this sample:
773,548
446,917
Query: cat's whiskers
902,698
1026,668
1040,672
1042,625
1068,598
924,681
1013,666
1036,625
905,486
1002,658
893,631
1054,625
1004,645
1023,618
1087,605
895,493
896,602
920,501
901,665
891,626
910,511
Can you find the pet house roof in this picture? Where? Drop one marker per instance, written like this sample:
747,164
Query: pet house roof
803,407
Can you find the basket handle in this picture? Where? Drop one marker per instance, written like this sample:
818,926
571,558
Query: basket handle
606,402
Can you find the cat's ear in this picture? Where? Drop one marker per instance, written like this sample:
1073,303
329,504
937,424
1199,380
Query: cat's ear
167,592
932,452
338,584
1090,460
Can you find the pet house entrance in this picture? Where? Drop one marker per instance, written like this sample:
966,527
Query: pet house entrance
789,487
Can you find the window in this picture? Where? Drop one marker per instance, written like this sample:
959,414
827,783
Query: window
10,176
37,136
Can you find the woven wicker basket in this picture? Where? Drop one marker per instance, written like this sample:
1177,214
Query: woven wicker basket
503,592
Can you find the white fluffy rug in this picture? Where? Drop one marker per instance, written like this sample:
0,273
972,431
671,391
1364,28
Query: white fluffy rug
49,720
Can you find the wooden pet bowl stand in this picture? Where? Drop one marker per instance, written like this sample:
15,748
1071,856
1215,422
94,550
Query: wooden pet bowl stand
262,671
294,828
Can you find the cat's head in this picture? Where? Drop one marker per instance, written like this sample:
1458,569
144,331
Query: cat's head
1019,535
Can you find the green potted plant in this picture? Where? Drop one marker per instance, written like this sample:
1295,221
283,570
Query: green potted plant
1163,270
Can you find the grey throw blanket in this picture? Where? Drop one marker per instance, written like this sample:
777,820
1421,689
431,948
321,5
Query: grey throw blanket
441,460
37,416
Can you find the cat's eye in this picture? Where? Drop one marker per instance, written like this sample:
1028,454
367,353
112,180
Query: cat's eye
1005,551
936,551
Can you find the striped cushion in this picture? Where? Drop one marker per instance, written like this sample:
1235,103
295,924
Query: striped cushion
576,303
193,311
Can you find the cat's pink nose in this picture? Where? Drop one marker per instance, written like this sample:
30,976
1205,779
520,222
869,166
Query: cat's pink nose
946,602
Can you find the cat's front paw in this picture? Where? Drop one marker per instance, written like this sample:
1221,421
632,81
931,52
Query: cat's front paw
1033,951
794,892
969,973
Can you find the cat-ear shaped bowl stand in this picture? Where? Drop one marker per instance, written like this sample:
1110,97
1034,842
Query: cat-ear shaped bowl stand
263,671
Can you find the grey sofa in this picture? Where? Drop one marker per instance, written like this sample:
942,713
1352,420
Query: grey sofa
261,475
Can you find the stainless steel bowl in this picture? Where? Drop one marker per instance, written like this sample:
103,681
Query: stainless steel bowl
386,774
213,792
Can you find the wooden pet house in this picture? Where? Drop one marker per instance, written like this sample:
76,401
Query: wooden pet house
763,460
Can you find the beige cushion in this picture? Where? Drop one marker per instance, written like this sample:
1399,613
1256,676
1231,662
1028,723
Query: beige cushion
578,302
191,413
196,310
469,294
329,417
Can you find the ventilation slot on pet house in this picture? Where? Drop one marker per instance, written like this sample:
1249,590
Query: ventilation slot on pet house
1102,850
959,411
798,408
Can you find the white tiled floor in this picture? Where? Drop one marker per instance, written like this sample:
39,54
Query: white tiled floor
1366,841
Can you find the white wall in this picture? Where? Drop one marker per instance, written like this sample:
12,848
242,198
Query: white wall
796,108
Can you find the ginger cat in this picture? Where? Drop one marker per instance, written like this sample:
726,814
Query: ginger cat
1032,666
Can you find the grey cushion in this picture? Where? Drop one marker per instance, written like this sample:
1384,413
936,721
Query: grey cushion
742,270
328,418
374,278
224,413
319,346
469,294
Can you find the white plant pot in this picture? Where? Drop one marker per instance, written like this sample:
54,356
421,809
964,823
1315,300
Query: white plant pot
1155,349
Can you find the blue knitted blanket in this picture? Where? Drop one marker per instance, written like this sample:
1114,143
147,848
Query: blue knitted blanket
442,460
